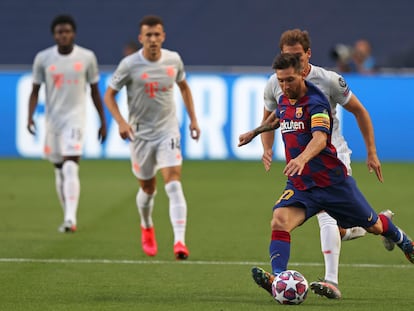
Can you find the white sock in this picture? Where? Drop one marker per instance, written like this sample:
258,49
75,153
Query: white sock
71,189
330,245
178,210
59,187
145,205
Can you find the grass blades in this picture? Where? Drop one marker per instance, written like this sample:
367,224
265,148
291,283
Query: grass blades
102,266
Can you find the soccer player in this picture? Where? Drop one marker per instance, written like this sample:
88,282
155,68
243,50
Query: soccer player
337,91
149,76
66,69
317,178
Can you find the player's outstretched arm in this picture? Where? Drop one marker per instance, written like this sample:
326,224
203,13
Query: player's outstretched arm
33,99
246,138
189,105
270,124
313,148
367,130
97,101
125,130
267,143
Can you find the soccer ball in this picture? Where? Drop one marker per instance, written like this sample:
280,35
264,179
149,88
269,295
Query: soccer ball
290,287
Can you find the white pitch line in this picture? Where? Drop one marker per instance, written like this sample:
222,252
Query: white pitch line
188,262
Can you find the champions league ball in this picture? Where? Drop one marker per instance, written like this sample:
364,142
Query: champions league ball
290,288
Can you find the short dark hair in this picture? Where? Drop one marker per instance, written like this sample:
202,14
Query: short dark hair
63,19
151,20
286,60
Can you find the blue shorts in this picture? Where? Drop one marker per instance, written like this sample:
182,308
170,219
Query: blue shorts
342,201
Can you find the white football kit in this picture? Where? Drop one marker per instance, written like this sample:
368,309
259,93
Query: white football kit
152,111
66,78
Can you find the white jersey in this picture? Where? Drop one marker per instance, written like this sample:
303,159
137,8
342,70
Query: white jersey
66,78
332,85
150,87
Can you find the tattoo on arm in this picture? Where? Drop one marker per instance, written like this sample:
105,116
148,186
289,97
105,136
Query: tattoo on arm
267,126
261,129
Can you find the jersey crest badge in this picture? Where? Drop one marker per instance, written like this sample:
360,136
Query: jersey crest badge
299,112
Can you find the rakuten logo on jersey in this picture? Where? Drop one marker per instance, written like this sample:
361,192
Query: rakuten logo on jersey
291,126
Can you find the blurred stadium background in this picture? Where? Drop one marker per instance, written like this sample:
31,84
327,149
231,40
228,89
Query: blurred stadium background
214,33
227,47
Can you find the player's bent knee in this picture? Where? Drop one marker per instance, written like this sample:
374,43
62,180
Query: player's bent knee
148,186
279,225
283,222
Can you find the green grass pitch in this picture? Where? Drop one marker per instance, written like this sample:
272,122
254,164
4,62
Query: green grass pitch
102,267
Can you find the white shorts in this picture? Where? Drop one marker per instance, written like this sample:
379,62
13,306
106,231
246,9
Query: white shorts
149,156
67,142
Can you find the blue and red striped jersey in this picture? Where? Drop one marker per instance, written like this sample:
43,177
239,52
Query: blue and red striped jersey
297,122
